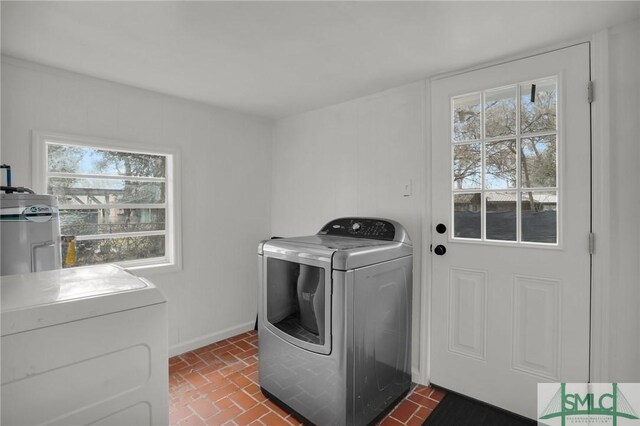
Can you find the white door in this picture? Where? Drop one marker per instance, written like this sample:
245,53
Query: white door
511,185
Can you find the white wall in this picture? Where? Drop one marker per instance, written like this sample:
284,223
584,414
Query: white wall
624,284
226,185
353,159
347,159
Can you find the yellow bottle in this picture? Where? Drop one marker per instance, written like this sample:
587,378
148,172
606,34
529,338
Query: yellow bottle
70,260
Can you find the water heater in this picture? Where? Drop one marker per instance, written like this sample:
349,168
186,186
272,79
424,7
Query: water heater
30,233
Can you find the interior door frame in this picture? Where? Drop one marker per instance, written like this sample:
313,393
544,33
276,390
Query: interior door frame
600,216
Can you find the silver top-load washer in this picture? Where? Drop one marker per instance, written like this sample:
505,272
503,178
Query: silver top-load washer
335,320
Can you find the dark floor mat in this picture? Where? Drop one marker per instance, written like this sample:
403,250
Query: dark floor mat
457,410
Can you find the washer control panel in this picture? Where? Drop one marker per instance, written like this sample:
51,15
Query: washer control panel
374,229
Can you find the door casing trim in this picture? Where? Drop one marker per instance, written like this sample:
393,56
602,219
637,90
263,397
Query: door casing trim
600,212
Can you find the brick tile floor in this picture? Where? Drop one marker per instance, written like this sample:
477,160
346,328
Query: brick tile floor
218,385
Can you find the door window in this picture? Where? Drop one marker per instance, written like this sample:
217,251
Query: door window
296,299
505,164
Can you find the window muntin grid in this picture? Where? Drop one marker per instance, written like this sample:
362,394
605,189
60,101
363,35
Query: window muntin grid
115,213
504,156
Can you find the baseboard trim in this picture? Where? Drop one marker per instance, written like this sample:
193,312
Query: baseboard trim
201,341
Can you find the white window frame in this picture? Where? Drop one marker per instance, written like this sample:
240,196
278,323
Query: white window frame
519,190
172,260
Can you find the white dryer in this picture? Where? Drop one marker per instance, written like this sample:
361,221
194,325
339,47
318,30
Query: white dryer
83,346
335,321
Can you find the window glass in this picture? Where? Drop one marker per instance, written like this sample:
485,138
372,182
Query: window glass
500,112
112,203
505,163
467,213
295,299
538,158
539,216
87,160
110,250
501,216
467,166
501,168
466,118
538,113
110,221
82,192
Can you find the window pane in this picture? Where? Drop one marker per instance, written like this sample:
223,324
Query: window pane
466,118
110,221
500,112
501,216
94,252
72,191
466,215
75,159
538,157
467,162
500,159
540,115
539,216
295,299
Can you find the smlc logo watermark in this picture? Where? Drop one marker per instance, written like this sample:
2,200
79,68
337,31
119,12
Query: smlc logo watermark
592,404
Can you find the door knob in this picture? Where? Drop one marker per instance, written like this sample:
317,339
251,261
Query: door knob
440,250
441,228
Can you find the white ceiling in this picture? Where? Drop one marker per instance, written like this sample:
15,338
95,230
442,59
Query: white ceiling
276,59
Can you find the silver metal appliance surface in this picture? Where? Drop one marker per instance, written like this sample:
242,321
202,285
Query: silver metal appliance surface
30,233
335,320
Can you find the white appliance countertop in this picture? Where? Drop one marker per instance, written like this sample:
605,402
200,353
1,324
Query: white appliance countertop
43,299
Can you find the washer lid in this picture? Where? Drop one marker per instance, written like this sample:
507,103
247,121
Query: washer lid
331,242
43,299
347,242
344,253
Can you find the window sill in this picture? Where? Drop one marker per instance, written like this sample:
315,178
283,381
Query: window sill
154,269
141,270
147,267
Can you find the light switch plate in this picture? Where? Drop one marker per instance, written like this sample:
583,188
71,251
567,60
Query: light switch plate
407,188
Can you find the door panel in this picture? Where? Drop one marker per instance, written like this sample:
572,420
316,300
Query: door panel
467,312
511,181
536,330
